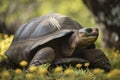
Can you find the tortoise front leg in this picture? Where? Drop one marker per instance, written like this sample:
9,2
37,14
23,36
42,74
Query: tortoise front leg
43,56
96,57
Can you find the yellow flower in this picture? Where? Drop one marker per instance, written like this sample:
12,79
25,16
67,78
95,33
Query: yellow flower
18,71
32,68
6,36
5,74
68,71
79,65
29,75
43,70
114,73
58,69
23,63
86,64
11,37
98,71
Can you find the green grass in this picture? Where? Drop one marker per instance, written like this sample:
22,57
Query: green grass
71,73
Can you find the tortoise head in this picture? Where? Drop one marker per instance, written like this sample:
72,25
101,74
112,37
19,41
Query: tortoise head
84,37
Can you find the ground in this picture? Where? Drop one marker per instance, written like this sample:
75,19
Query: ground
71,73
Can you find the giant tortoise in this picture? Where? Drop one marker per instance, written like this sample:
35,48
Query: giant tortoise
55,39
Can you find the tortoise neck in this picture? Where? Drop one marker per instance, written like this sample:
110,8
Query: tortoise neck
69,45
73,40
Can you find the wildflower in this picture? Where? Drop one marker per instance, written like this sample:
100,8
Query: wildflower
11,37
86,64
18,71
29,75
5,74
79,65
6,36
32,68
43,70
23,63
68,71
58,69
114,73
98,71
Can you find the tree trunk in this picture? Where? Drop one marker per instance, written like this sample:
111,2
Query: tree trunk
107,16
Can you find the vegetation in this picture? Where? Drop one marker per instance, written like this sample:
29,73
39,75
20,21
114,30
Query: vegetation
71,73
15,11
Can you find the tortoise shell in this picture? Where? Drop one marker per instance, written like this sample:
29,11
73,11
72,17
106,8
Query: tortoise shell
39,31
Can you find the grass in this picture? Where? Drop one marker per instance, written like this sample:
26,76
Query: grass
71,73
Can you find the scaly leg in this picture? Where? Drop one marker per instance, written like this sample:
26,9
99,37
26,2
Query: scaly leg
45,55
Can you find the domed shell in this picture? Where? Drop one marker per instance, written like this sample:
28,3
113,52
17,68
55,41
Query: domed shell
38,31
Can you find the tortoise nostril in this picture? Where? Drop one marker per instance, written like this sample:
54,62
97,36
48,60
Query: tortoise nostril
89,30
97,29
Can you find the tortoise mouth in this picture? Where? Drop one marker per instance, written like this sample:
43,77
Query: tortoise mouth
92,34
90,37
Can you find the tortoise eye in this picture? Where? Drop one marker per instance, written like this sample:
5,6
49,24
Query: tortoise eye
89,30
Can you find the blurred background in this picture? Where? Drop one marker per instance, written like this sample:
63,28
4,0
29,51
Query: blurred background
13,13
104,14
